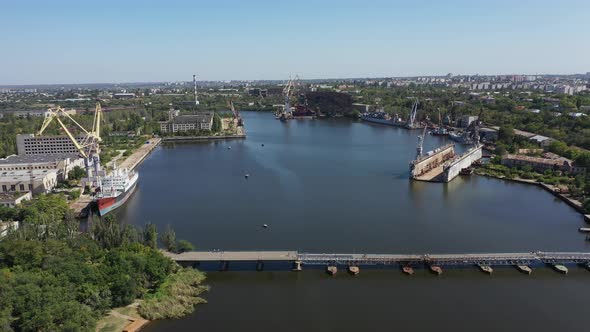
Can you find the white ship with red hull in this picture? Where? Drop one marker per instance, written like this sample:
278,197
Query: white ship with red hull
115,190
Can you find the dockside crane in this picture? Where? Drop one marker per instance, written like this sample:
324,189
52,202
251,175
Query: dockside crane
89,146
236,114
287,92
473,128
412,118
420,148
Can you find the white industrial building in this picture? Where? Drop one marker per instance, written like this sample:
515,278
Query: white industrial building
35,181
62,163
201,121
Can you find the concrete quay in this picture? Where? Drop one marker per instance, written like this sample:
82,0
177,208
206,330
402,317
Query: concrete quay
140,154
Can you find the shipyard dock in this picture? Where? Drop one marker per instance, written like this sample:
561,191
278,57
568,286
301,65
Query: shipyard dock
442,164
298,260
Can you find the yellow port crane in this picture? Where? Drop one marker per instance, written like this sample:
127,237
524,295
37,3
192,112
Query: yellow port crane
89,147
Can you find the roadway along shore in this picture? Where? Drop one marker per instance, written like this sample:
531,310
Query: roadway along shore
141,153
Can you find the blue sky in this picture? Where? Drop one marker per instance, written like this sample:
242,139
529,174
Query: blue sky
127,41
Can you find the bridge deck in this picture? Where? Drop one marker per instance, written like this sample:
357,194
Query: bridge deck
325,258
212,256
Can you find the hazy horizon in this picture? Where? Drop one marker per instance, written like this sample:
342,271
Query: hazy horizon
286,78
72,42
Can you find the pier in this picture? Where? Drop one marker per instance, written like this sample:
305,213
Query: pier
298,260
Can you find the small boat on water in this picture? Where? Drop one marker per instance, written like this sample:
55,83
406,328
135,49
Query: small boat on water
435,269
485,268
408,270
354,270
560,268
524,269
331,270
466,171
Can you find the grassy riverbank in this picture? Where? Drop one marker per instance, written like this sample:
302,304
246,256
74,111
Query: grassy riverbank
176,297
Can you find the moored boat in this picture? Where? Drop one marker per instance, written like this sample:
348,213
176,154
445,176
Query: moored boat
560,268
524,269
466,171
115,190
354,270
408,270
435,269
485,268
331,270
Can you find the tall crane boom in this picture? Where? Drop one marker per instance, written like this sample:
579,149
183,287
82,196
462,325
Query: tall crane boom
413,112
236,114
89,147
420,148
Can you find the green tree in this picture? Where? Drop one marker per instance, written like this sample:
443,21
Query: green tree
216,127
76,173
184,246
168,239
150,236
506,134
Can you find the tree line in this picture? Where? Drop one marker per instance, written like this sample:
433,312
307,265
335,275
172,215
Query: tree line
55,278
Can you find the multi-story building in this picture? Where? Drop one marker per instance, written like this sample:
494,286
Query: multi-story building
29,144
542,164
182,123
62,163
34,181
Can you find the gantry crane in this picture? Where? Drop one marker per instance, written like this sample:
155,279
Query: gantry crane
89,147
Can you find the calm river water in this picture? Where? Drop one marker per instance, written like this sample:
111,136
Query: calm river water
342,186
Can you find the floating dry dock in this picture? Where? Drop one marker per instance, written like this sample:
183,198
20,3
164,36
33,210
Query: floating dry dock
297,260
442,164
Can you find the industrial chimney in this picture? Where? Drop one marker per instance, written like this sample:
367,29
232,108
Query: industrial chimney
195,83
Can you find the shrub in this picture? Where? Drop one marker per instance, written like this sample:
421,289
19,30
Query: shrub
184,246
177,296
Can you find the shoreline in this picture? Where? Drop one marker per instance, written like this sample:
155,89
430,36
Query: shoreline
575,204
201,138
131,162
139,155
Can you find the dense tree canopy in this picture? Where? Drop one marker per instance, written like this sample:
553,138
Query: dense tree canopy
53,278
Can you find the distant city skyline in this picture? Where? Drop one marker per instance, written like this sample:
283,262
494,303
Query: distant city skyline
73,42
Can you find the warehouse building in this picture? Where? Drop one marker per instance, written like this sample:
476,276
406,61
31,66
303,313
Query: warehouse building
181,123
